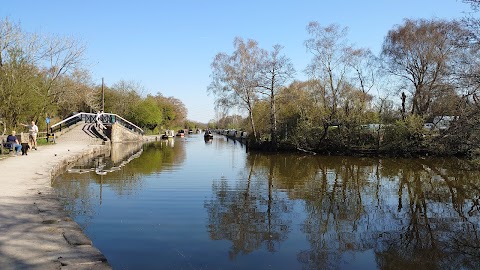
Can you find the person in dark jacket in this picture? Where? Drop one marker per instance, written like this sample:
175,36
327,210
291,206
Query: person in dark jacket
12,139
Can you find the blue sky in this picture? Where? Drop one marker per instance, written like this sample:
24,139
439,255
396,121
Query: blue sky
168,46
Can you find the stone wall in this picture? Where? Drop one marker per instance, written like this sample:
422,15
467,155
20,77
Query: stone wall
122,134
122,151
60,167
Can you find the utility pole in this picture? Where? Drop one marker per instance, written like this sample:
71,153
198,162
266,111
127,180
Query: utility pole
103,97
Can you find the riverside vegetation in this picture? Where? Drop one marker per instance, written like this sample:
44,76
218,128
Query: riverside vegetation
354,101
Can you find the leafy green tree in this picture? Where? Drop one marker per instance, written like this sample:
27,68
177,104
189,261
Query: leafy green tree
261,114
295,113
174,111
405,137
146,113
18,92
32,68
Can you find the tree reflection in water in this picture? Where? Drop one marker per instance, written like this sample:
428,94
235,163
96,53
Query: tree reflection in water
250,214
410,213
402,213
80,198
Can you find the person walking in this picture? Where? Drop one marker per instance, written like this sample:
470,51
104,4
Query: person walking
32,134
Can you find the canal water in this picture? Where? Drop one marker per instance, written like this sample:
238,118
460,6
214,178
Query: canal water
191,204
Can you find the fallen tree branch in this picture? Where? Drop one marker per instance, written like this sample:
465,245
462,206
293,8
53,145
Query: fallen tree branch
306,151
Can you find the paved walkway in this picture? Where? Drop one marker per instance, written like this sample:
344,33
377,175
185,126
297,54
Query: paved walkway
35,232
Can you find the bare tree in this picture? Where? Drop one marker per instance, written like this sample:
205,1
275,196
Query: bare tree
472,21
129,94
364,65
179,108
421,52
474,3
329,69
10,35
80,94
59,56
276,71
470,72
235,77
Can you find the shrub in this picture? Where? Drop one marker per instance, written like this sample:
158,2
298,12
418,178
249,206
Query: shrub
405,137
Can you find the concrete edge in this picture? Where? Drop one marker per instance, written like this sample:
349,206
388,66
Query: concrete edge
80,252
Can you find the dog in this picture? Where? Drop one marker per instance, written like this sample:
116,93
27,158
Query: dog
25,147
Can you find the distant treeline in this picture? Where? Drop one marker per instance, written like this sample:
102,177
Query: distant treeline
419,96
45,76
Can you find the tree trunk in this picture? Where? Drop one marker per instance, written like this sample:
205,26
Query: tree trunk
324,135
252,123
273,121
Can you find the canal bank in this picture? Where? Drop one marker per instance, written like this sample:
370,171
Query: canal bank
35,231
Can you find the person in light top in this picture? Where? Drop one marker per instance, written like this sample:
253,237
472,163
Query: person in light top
32,134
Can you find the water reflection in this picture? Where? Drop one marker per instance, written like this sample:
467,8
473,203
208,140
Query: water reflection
249,214
169,142
109,169
421,213
119,155
189,200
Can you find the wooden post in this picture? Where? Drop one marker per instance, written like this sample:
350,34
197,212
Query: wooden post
103,97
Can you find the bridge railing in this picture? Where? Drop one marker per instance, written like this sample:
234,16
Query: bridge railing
72,120
100,118
110,118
